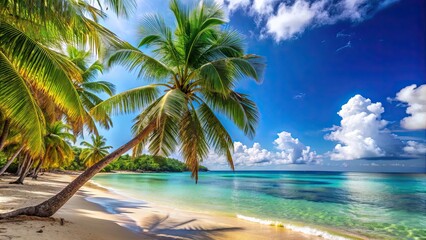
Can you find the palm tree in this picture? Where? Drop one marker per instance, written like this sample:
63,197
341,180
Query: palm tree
30,31
58,148
58,151
95,151
195,67
89,88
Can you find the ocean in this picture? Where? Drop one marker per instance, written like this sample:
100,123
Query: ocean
374,205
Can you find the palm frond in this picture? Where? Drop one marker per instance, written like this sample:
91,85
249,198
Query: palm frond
166,113
216,134
237,107
19,105
145,66
100,87
127,102
194,147
120,7
43,67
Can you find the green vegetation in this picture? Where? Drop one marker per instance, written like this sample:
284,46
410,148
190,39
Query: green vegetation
144,163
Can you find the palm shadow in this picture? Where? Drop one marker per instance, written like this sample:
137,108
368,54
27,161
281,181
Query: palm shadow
163,227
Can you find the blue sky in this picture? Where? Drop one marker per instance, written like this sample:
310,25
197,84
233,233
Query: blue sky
344,87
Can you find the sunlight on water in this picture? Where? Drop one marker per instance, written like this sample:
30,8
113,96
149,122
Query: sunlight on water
387,206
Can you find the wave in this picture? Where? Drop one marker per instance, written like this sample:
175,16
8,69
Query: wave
295,228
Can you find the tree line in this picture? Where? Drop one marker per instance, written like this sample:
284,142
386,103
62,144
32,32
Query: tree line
143,163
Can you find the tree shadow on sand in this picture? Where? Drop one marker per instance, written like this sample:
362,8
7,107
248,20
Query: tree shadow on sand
163,227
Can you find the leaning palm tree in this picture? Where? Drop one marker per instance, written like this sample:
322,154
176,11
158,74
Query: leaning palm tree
30,33
95,151
194,70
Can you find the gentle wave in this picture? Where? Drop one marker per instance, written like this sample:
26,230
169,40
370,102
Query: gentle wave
305,230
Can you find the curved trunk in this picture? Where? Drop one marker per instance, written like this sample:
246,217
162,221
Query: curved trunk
26,167
4,168
53,204
4,133
21,165
40,163
37,169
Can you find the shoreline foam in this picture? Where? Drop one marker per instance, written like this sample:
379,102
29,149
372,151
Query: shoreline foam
305,230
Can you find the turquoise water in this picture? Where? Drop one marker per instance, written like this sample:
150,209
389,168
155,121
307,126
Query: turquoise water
388,206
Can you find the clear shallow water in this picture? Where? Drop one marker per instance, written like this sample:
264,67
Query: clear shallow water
389,206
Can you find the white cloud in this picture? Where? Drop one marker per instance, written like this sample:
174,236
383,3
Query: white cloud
415,98
263,7
290,151
299,96
234,4
415,148
353,9
362,133
291,18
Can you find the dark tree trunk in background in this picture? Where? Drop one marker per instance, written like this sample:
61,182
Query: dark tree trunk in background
28,162
4,168
4,133
37,169
21,164
53,204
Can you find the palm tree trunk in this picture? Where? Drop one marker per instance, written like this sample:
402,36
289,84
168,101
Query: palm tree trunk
4,168
37,169
53,204
40,163
4,133
21,164
26,167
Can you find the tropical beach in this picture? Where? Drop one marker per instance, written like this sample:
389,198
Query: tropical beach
110,210
213,119
121,217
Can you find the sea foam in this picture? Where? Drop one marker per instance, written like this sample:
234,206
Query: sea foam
305,230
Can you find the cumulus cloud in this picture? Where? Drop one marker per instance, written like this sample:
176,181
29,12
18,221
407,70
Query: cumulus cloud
234,4
289,150
415,98
289,19
415,148
263,7
362,132
293,149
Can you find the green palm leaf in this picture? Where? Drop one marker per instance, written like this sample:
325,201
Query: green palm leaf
127,102
134,60
45,68
238,107
216,134
166,113
19,105
194,146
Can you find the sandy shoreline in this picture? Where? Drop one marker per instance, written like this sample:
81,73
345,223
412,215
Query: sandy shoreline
119,217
